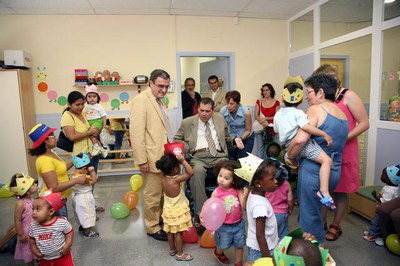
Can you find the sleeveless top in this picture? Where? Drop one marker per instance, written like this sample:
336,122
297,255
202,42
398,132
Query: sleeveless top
350,173
237,124
232,204
268,112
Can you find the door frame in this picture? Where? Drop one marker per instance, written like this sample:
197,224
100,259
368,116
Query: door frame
231,70
346,66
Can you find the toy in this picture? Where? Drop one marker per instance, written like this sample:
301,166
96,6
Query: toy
106,77
98,77
115,77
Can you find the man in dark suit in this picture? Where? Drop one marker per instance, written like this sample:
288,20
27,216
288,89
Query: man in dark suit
205,136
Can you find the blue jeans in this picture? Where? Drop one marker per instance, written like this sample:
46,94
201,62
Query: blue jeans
374,228
253,255
283,222
231,234
234,153
119,135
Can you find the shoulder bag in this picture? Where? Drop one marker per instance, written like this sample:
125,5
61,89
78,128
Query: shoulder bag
257,127
63,142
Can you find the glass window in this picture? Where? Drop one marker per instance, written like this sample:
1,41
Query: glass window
392,10
301,32
340,17
390,87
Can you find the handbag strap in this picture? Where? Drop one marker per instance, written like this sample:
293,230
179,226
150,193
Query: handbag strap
260,113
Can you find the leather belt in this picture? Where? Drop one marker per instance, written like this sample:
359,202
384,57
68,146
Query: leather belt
203,150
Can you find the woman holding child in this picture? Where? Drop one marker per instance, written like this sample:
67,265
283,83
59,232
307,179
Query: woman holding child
77,129
325,115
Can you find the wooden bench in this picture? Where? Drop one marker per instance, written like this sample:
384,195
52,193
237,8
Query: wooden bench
109,167
363,203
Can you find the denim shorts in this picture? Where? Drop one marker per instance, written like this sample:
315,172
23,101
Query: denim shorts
231,234
253,255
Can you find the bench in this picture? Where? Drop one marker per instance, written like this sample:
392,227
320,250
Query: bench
363,203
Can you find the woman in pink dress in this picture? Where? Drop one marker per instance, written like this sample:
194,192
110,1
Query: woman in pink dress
350,103
268,106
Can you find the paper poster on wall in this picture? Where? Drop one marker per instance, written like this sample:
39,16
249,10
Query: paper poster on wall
41,78
115,104
43,88
52,95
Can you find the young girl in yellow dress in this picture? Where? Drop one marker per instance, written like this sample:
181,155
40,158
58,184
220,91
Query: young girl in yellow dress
176,212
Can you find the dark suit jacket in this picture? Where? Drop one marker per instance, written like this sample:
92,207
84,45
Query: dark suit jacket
188,102
187,133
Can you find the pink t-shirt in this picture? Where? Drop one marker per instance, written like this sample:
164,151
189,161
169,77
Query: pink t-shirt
232,204
279,198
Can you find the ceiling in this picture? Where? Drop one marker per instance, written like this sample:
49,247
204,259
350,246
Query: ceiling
266,9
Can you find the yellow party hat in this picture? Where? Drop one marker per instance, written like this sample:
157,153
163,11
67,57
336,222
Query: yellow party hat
249,166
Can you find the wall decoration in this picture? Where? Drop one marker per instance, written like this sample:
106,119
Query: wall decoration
41,77
52,95
115,104
62,101
124,97
104,97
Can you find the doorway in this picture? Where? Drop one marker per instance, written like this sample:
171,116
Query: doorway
342,65
201,65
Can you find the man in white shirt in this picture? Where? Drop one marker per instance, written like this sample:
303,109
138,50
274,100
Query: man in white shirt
215,93
204,150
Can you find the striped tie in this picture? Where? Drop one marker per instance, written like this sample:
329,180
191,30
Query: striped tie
210,141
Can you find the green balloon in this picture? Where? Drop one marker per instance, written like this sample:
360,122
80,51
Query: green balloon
119,210
393,244
115,103
62,100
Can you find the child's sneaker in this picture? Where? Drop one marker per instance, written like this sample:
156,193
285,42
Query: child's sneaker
104,152
91,234
379,241
96,150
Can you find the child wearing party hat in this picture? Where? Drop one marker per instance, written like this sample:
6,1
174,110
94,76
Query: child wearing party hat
287,122
260,216
50,236
96,116
24,187
83,201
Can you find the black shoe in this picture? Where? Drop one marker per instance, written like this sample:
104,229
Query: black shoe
160,236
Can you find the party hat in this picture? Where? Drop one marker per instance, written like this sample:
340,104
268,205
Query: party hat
393,173
249,166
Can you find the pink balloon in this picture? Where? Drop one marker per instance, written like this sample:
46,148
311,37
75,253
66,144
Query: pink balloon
213,213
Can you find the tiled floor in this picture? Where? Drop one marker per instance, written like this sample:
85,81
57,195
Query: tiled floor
124,242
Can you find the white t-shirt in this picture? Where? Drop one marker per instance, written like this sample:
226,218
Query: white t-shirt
259,206
287,121
94,111
389,193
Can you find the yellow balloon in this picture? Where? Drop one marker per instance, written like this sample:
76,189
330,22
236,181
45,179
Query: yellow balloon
263,262
5,191
136,182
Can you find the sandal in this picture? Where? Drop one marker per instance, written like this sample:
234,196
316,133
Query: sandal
327,201
183,257
290,163
333,233
172,252
99,209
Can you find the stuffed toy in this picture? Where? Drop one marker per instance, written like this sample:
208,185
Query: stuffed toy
115,76
98,77
106,76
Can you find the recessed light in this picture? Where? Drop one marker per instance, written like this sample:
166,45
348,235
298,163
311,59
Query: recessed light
389,1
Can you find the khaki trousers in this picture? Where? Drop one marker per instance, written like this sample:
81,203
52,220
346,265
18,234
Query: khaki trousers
152,201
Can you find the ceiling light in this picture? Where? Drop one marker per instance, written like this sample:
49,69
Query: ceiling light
389,1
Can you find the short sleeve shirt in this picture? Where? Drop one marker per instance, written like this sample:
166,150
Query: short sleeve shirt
81,145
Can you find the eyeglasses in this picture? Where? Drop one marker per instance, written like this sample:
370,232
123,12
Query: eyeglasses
162,86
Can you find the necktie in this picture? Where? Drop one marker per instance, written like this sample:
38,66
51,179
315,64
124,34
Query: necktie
210,141
166,120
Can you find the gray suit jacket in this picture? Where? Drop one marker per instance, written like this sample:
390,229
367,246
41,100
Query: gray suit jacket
187,133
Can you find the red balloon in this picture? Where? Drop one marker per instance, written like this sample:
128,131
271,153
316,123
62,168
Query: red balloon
190,236
207,240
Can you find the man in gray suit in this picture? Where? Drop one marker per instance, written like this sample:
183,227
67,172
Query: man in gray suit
205,136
